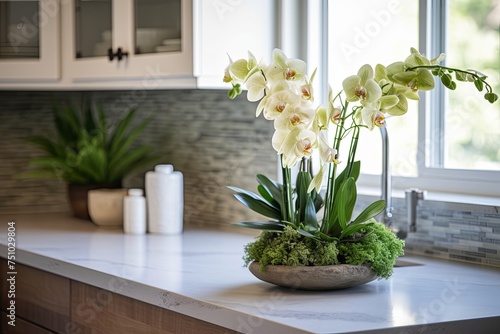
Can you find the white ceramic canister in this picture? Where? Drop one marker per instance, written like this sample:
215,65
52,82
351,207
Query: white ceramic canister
134,212
165,200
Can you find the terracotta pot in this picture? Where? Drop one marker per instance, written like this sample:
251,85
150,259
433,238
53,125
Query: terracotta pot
339,276
77,195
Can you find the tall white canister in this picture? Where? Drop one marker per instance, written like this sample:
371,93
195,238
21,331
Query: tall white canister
165,200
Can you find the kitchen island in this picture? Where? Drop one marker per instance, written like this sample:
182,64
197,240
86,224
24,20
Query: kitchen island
200,274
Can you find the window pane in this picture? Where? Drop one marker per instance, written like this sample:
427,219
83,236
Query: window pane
367,31
472,125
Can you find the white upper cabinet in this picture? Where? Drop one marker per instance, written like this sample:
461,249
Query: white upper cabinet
120,40
129,44
231,27
29,41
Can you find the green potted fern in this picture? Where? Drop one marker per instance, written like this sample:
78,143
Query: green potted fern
88,151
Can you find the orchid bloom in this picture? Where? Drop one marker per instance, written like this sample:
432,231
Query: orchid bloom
362,87
419,79
372,116
294,145
242,68
256,85
283,68
327,155
279,99
294,116
307,89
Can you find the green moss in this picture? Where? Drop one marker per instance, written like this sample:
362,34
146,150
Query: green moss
380,248
291,249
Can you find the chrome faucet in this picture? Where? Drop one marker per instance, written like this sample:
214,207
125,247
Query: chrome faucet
386,215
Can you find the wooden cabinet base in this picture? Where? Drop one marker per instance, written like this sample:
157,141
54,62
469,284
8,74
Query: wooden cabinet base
40,297
21,327
47,303
95,310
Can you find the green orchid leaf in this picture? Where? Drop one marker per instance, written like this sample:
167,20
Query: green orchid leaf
369,212
264,226
326,237
306,234
352,229
303,196
274,204
310,219
346,201
354,170
268,197
258,206
318,200
272,187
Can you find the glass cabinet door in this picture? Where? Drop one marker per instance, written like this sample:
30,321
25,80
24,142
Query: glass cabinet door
19,29
29,42
147,38
93,29
157,26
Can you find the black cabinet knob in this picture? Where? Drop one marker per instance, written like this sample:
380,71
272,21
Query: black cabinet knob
119,54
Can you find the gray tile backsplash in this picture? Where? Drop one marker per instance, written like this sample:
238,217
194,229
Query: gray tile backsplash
456,231
215,142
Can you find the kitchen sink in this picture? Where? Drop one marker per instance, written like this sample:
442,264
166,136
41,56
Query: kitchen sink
406,263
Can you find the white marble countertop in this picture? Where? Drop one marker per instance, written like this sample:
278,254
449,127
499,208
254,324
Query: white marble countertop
201,274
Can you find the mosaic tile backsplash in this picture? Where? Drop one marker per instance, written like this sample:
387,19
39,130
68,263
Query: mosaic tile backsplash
215,142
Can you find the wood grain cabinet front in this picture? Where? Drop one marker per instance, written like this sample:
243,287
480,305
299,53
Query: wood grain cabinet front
95,310
46,303
41,299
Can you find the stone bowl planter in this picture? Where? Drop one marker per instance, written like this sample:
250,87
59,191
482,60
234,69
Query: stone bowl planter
333,277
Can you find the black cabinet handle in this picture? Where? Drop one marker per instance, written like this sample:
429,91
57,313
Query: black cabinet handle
119,54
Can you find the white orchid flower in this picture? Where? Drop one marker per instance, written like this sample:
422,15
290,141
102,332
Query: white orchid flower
256,85
362,86
372,116
242,69
294,145
327,153
294,116
280,99
283,68
307,90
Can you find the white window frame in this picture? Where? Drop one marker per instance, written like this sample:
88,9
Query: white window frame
457,185
430,158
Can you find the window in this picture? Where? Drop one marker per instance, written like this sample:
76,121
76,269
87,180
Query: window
447,141
459,147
